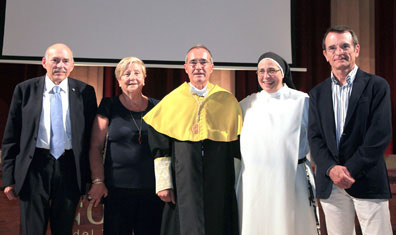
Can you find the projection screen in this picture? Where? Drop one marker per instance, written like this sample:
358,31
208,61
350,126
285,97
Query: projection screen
159,32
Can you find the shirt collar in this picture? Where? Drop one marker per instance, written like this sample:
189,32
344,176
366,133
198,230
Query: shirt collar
349,79
199,92
50,84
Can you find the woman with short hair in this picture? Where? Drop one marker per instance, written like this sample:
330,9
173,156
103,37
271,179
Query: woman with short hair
126,179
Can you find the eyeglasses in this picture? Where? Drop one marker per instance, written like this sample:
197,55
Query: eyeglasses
194,63
344,47
270,72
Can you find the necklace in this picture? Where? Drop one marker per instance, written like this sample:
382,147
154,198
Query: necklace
195,127
141,125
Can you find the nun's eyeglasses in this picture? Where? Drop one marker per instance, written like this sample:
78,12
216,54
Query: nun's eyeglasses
194,63
270,72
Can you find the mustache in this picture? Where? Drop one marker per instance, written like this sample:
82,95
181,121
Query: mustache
59,71
343,57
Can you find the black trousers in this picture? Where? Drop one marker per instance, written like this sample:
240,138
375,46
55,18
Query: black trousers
132,210
50,193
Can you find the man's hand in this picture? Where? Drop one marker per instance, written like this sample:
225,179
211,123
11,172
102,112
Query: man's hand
167,195
9,191
341,177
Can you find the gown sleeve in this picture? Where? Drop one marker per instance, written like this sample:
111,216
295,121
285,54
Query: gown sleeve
160,146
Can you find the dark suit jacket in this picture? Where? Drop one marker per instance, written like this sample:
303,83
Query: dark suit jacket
367,132
20,135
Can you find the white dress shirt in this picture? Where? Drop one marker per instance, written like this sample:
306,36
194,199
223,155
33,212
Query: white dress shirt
44,132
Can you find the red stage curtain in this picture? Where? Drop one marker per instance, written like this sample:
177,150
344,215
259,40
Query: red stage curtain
10,76
385,53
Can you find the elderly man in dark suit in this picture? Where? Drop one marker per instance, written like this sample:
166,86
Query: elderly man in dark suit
45,145
349,131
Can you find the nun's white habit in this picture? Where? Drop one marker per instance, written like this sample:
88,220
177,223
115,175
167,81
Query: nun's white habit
272,189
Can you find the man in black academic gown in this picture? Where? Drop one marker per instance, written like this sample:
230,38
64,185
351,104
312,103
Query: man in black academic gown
194,135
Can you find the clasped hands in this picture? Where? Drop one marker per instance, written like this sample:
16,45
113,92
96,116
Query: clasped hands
341,177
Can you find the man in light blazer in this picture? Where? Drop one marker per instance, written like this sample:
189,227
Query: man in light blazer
49,184
349,130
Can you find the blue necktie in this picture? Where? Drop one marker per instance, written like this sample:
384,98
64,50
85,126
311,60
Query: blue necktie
57,141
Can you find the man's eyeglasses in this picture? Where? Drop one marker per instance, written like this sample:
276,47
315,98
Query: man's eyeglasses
344,47
194,63
270,72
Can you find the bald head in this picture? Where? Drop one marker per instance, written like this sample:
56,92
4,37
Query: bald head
59,46
58,61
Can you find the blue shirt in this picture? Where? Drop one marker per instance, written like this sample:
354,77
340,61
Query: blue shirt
341,95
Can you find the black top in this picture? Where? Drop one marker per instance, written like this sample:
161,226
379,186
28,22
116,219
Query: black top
128,164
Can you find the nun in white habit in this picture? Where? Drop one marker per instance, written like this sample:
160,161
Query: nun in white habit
273,188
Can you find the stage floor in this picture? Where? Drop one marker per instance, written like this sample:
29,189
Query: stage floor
89,220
